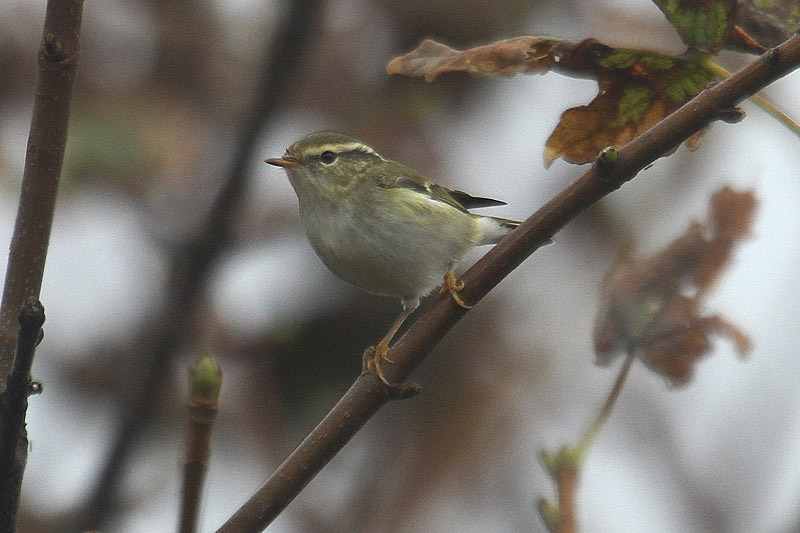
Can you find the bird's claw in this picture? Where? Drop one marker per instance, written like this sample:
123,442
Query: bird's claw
373,357
453,285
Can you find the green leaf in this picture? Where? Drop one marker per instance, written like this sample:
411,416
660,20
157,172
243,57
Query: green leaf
637,89
702,24
632,105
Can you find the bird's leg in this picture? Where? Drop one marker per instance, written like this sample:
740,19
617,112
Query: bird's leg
453,285
379,352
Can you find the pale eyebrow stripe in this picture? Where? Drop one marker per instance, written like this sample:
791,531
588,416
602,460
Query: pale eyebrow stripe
343,147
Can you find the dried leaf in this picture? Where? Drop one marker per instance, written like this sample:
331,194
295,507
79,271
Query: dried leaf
731,216
651,306
503,58
732,213
613,118
637,88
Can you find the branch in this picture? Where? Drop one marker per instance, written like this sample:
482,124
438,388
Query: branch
564,465
58,64
192,263
611,171
205,381
14,438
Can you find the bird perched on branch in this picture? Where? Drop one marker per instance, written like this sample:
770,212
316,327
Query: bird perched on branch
381,226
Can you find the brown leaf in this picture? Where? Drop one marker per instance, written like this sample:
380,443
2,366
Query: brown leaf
678,339
506,58
637,88
731,216
732,213
583,131
651,306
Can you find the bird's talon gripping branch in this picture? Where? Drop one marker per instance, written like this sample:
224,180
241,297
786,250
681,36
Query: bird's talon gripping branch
453,285
403,229
382,352
373,357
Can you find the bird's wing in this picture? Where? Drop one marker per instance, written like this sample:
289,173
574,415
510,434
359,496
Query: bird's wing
470,201
458,199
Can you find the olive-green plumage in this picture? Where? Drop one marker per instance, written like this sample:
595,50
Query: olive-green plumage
380,225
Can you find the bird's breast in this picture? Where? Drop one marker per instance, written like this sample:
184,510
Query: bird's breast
401,251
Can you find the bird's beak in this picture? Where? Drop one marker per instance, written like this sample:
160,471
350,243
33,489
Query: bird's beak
287,161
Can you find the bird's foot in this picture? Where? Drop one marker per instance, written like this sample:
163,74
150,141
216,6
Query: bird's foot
374,356
453,285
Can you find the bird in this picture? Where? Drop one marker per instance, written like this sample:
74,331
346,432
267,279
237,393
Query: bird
383,227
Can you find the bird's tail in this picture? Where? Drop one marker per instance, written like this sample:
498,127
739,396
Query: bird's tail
495,228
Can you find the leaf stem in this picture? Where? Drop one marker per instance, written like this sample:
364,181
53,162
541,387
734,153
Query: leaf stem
591,433
761,102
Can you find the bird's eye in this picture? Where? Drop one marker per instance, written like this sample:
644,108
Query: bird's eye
327,157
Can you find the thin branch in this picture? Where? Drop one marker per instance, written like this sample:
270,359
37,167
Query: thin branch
564,466
367,394
762,102
14,438
567,487
58,64
205,381
359,403
591,433
193,263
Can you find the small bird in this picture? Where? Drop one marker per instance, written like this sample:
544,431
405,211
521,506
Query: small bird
381,226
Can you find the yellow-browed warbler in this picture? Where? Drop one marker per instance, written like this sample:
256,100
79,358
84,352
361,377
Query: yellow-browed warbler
380,225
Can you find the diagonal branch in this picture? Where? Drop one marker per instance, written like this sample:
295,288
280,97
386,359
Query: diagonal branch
192,263
368,394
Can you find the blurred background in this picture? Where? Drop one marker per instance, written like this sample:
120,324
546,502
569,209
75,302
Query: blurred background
167,99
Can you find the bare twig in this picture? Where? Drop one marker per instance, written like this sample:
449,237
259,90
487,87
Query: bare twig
763,103
58,64
14,438
565,471
204,384
564,466
192,264
359,403
593,430
367,394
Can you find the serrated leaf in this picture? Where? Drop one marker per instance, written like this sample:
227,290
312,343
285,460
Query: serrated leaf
583,131
701,24
652,306
637,88
503,58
